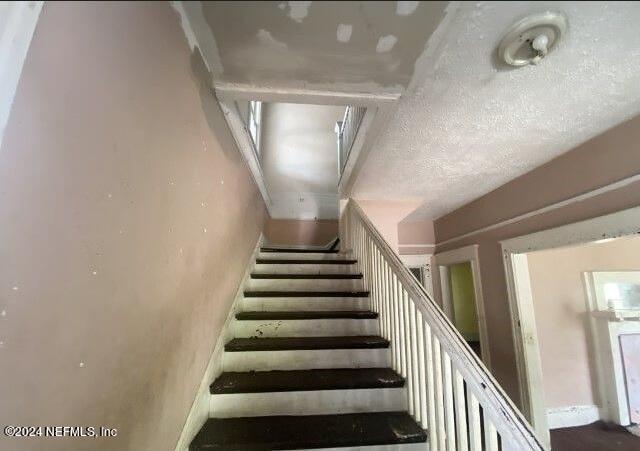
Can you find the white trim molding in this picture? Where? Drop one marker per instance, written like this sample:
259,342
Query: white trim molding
199,412
18,22
514,250
571,200
572,416
245,146
465,254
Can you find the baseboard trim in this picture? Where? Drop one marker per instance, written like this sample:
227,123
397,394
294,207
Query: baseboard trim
571,416
199,412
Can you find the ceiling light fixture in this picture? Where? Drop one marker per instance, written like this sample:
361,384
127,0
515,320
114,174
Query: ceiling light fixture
532,38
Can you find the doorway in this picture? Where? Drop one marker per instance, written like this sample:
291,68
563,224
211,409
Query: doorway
553,317
460,293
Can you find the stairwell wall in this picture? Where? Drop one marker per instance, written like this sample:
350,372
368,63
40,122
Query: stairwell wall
127,219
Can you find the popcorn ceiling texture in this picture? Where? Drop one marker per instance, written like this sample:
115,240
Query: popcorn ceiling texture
472,125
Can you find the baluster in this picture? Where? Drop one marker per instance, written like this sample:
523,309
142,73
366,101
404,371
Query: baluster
370,265
401,329
415,364
374,279
396,324
389,302
448,399
374,276
490,434
422,375
382,319
475,441
461,417
437,375
406,335
431,398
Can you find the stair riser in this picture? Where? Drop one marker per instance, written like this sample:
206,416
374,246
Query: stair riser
303,255
305,284
404,447
319,402
305,359
305,328
267,268
303,304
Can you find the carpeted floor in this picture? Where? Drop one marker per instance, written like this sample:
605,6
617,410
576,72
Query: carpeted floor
597,436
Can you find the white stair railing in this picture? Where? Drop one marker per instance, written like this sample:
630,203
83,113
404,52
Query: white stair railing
347,130
450,392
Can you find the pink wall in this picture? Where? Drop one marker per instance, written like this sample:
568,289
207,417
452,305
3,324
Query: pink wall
120,247
416,237
386,215
298,232
560,305
612,156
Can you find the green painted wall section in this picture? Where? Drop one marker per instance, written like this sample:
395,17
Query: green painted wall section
464,300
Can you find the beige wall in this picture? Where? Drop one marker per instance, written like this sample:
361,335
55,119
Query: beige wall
300,233
605,159
127,217
560,308
386,215
416,237
299,158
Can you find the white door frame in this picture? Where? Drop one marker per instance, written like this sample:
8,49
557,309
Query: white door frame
463,255
514,250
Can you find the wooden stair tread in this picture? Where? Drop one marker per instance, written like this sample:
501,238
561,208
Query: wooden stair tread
306,343
298,250
306,315
304,276
304,294
307,432
303,261
306,380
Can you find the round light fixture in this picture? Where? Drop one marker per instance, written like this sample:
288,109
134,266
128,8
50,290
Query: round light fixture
532,38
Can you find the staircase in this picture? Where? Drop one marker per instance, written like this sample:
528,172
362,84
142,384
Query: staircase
308,368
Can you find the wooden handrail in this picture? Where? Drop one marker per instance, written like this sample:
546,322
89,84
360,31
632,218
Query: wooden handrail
377,258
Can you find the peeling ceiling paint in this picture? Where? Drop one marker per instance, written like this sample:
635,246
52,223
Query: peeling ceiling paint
471,125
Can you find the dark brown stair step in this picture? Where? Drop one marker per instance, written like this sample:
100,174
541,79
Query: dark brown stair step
299,251
307,432
305,294
306,276
306,343
295,261
301,315
306,380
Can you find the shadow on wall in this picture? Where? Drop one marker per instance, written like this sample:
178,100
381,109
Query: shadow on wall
210,107
293,232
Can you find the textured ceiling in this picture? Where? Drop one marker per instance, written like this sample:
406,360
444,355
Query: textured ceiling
471,126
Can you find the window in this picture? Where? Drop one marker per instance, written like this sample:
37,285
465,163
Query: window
253,122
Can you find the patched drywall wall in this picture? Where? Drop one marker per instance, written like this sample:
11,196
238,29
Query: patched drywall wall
471,125
560,306
127,219
349,46
291,232
299,159
599,162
